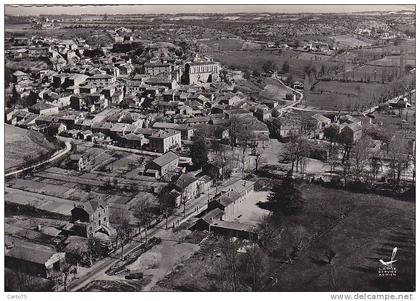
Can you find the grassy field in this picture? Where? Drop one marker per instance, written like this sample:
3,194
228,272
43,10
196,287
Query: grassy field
31,65
359,228
21,144
256,59
231,44
349,41
336,95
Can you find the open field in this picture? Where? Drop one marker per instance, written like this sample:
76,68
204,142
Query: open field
21,145
231,44
393,61
27,64
359,228
349,41
336,95
373,227
255,60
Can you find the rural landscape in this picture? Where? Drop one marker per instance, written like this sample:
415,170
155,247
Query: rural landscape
220,151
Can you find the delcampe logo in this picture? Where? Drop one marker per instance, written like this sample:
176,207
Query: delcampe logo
387,267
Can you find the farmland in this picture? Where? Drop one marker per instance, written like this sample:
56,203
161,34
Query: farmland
231,44
336,95
22,145
256,59
349,41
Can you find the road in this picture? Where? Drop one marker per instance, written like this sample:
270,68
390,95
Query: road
192,209
55,156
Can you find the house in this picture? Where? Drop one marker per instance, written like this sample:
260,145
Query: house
90,218
154,69
85,135
9,114
262,113
350,133
20,76
132,140
164,140
186,131
187,186
101,80
33,258
283,127
164,164
213,169
79,161
226,201
204,222
56,128
321,121
204,184
42,108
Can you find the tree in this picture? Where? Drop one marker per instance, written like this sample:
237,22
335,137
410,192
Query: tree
295,151
199,152
122,227
333,160
360,157
286,198
269,66
285,68
399,158
311,125
230,261
375,166
144,214
95,248
238,133
166,203
252,267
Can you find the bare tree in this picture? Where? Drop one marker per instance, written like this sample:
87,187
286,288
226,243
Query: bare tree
295,151
143,213
399,158
122,227
360,157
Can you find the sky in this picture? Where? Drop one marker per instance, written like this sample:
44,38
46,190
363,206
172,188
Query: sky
172,9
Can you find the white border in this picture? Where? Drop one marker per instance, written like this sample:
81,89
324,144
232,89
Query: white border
166,296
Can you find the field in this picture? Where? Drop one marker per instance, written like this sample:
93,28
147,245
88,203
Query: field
336,95
231,44
359,228
349,41
21,145
31,65
255,60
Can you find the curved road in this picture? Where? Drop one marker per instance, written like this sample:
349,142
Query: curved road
56,156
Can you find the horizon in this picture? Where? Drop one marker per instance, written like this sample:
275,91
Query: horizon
176,9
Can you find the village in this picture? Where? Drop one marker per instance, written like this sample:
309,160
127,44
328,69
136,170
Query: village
116,150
